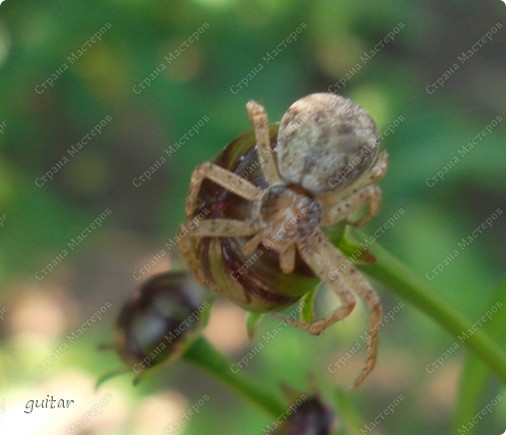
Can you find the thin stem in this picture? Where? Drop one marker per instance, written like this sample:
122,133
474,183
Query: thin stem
204,355
474,376
391,272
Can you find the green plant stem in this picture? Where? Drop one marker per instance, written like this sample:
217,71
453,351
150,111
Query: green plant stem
204,355
391,272
474,375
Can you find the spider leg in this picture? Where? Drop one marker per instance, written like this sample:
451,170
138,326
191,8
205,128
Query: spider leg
224,228
344,206
230,181
323,266
258,118
287,259
377,172
373,195
379,169
325,260
187,245
336,208
252,244
363,290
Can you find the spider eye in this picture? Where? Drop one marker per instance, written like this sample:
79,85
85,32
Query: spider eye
325,142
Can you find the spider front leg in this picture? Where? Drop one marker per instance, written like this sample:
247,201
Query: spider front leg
258,118
226,179
193,228
224,228
235,184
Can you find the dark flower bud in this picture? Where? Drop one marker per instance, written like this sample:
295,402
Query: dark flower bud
309,417
160,320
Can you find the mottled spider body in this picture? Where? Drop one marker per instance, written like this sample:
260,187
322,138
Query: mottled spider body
254,214
252,281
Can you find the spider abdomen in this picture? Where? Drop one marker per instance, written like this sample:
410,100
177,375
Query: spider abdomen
325,141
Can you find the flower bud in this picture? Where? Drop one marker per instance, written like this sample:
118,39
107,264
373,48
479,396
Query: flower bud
160,320
310,417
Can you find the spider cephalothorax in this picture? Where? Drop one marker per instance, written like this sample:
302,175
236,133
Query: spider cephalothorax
255,213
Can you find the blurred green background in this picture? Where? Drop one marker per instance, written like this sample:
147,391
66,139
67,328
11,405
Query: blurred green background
58,82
